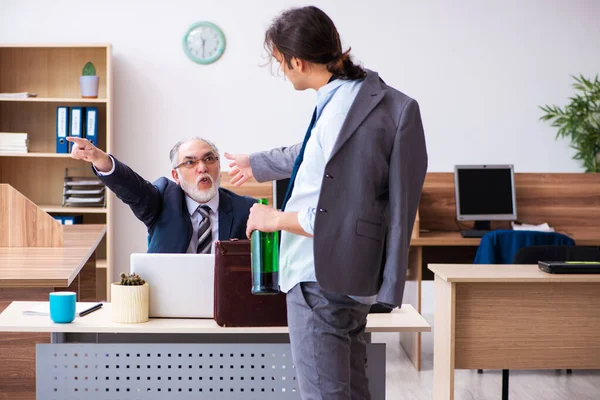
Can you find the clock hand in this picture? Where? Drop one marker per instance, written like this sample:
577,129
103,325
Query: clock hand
202,41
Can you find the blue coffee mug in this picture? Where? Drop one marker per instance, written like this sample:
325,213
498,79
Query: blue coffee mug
62,307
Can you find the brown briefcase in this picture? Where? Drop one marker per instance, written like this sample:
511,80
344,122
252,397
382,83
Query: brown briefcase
235,305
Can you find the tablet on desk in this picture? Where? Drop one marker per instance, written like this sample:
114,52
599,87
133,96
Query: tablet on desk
570,267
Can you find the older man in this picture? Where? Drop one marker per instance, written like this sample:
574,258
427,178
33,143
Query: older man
185,215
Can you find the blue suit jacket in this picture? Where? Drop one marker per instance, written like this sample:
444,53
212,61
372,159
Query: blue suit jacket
162,208
500,246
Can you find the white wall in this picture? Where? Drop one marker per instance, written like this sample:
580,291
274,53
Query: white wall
478,68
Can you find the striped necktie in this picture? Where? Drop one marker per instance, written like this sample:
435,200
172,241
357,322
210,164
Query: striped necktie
204,231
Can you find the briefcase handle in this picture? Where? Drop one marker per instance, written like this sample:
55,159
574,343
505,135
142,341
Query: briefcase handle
240,248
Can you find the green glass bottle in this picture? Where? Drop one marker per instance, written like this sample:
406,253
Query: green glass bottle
265,260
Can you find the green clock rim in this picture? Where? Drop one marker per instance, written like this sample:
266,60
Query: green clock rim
220,51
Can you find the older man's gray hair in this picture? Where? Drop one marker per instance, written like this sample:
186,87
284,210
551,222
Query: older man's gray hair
174,153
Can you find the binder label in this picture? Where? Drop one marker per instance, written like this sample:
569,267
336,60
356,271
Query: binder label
91,123
76,122
62,122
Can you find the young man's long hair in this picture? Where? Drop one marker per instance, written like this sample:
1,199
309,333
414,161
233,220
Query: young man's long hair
308,34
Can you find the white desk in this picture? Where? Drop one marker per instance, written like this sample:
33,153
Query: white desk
95,358
12,319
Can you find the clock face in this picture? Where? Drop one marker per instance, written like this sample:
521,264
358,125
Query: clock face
204,43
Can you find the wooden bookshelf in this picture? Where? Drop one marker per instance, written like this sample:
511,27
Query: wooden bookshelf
52,71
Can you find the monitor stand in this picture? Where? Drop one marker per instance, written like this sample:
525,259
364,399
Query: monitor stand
480,228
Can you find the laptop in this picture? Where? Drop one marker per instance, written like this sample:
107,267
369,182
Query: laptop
570,267
181,285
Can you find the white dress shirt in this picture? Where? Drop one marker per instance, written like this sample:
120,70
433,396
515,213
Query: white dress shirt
195,216
297,256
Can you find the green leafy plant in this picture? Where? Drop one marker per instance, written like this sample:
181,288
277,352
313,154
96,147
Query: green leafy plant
89,69
580,121
131,279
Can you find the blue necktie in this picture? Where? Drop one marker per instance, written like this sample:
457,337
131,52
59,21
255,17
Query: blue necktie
299,159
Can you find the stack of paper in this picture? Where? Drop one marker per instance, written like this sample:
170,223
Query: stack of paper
21,95
80,308
13,143
83,191
526,227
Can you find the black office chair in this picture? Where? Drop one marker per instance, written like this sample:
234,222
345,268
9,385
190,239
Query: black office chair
533,254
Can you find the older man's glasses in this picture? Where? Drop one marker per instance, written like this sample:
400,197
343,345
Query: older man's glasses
192,162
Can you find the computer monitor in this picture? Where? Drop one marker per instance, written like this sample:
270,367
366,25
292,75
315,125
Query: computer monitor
485,193
279,190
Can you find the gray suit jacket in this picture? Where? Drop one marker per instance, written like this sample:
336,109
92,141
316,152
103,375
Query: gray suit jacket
370,193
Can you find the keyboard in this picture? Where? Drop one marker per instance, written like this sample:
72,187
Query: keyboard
473,233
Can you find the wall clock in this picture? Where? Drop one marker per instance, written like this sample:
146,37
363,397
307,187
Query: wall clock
204,42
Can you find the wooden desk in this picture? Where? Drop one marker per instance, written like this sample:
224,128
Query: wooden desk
449,247
28,267
31,273
512,317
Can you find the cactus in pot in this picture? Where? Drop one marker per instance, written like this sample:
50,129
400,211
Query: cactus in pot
130,299
88,69
131,279
88,81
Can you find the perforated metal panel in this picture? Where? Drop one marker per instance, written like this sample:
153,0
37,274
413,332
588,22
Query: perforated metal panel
160,371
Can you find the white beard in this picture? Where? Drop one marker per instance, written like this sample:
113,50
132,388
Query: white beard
201,196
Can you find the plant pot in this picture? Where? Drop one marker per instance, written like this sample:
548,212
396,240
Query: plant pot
89,86
130,304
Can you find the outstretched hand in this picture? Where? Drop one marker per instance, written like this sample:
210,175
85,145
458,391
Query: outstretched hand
84,150
240,170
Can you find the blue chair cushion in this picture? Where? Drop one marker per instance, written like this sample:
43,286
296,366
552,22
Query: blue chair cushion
500,246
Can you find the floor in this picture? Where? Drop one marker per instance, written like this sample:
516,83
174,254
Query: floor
405,383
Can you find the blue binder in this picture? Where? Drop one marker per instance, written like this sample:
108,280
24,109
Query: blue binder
76,123
62,129
91,125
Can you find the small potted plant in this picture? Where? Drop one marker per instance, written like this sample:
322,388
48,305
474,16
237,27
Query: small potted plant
130,299
88,82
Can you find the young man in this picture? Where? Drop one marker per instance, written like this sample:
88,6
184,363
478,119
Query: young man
187,215
356,183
